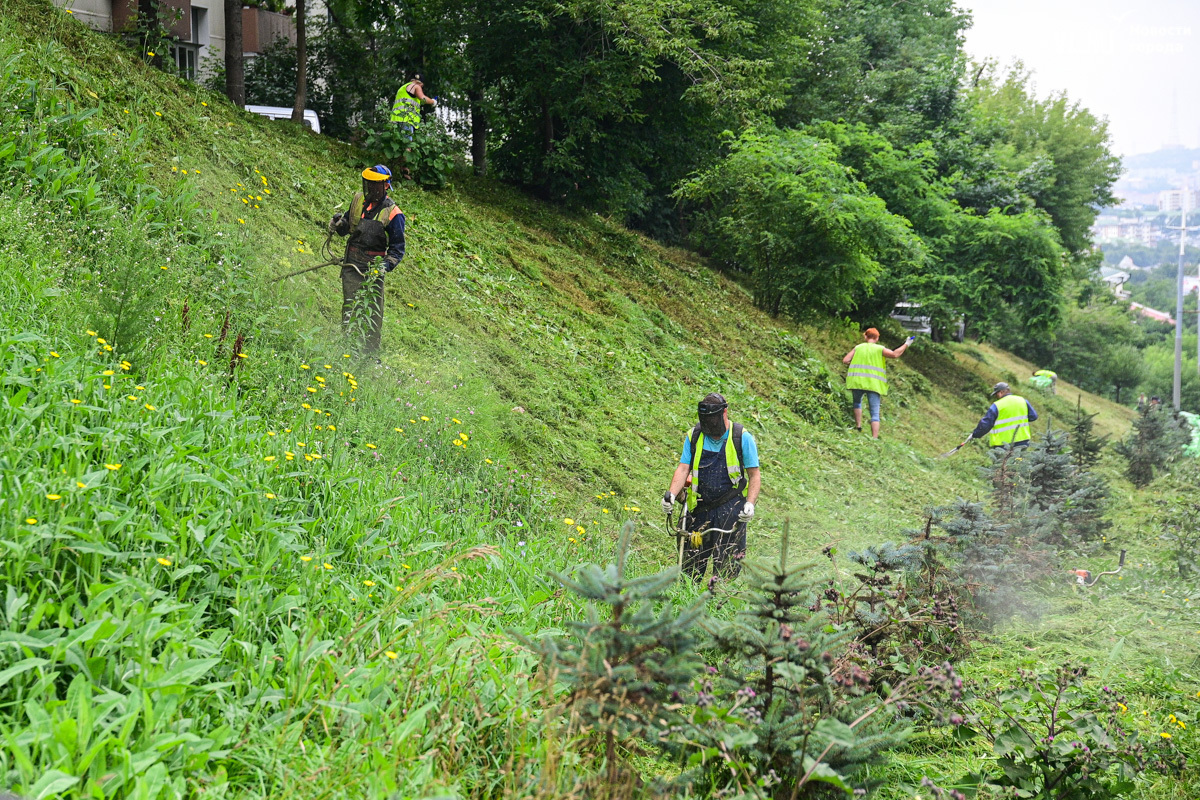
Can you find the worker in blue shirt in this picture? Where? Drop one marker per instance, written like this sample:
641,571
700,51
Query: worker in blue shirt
721,458
1007,420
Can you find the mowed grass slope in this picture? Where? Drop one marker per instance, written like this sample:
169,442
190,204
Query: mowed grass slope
537,367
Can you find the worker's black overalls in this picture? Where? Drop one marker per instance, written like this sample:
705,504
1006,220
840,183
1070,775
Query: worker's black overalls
727,549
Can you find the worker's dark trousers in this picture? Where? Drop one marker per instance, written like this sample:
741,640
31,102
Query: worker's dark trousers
362,305
727,549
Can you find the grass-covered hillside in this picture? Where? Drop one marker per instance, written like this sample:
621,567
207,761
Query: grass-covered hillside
237,560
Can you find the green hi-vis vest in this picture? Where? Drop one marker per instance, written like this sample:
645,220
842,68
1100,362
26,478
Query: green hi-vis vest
1045,373
1012,422
732,462
407,107
867,370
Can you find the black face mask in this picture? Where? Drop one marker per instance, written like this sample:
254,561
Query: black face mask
374,191
713,425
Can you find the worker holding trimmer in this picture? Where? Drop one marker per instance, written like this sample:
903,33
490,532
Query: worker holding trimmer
1006,422
867,376
721,459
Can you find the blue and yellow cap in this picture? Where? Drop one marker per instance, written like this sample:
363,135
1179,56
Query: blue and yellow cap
377,173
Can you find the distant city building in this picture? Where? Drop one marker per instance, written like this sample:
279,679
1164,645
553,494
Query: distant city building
1172,200
1151,313
1116,280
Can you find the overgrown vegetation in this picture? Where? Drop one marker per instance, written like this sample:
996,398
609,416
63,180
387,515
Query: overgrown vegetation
294,573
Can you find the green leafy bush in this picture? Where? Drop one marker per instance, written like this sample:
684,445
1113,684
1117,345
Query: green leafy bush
428,159
1056,739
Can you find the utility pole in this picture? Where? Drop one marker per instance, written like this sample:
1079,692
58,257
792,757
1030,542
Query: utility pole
1177,385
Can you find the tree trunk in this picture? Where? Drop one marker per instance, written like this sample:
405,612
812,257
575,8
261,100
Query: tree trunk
1118,394
235,64
301,66
479,132
547,146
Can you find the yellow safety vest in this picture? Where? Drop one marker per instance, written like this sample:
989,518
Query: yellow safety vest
407,107
867,370
1012,421
731,463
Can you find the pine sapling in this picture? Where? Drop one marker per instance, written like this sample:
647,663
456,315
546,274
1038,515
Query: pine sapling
627,666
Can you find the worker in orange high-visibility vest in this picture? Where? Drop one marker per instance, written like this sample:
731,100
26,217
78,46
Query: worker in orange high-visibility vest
867,376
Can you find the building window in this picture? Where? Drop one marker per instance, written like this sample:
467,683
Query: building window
186,56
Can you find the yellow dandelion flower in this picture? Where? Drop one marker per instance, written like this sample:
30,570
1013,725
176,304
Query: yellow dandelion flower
269,495
108,348
568,521
76,402
456,421
306,558
392,654
80,484
166,562
242,355
206,106
241,221
56,355
1123,707
269,458
424,419
373,447
1165,735
327,565
149,407
112,467
398,430
331,427
289,456
464,437
604,511
299,444
208,336
488,460
31,521
581,529
570,538
368,583
106,372
307,457
413,421
311,389
92,333
270,433
54,497
305,405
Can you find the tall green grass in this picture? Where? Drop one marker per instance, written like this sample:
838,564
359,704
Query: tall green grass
240,664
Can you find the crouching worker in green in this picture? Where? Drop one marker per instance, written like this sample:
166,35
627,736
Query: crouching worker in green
722,460
375,226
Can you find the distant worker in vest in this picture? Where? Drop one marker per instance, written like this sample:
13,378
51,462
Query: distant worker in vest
1007,420
375,226
867,376
1048,379
721,458
406,109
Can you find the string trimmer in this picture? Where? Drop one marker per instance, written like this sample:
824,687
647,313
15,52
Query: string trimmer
949,453
327,251
1084,577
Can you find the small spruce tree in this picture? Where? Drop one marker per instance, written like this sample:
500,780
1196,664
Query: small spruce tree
1155,441
627,665
1086,446
815,719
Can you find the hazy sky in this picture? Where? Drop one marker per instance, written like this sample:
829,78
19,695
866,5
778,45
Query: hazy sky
1128,60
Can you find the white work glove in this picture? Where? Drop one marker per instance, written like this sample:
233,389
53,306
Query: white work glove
668,503
433,102
747,512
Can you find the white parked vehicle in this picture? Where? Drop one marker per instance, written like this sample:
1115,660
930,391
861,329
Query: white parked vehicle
278,112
